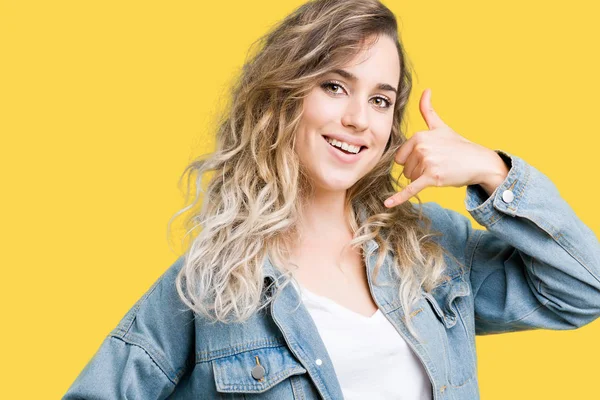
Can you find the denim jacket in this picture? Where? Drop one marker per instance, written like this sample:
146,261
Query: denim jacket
536,265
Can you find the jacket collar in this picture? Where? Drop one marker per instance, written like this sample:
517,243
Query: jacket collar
300,332
384,291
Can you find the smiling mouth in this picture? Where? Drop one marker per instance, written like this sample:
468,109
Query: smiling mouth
342,150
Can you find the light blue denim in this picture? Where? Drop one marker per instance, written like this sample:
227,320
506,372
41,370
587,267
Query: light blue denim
536,265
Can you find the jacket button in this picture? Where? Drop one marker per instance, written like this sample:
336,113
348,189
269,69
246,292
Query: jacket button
258,372
318,361
508,196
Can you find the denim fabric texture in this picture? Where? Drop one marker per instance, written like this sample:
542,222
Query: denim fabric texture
535,265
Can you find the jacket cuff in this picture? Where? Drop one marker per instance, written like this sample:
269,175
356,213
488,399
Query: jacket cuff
505,199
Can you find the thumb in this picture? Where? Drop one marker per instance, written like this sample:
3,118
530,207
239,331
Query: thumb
429,115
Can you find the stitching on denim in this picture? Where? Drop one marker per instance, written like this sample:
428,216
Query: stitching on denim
564,244
456,292
179,372
554,229
402,330
567,246
141,341
476,238
460,315
442,336
274,379
446,346
511,321
539,283
476,248
515,174
475,295
309,368
434,304
464,383
126,323
493,220
463,318
571,250
527,169
297,391
204,356
149,356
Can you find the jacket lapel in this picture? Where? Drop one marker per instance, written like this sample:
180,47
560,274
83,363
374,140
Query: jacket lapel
301,334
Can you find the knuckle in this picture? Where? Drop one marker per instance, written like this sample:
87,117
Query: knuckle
420,147
437,178
419,137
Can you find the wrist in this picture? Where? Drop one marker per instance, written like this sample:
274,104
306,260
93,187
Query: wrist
495,175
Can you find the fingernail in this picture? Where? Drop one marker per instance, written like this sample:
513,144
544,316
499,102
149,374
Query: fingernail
389,202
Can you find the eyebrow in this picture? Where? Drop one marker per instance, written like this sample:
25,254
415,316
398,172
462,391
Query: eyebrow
352,77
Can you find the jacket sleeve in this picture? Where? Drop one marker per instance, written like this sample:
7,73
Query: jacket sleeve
536,265
145,356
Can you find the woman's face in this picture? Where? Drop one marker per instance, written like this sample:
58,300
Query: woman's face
353,106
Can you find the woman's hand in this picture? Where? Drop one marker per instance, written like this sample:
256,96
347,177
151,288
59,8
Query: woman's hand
441,157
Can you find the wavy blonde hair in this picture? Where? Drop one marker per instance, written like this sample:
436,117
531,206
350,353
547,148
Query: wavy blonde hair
258,189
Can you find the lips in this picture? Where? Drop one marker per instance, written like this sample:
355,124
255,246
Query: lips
352,142
341,156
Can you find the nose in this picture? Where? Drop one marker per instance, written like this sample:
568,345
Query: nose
355,115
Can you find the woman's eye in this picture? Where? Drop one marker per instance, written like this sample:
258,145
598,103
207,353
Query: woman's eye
333,85
387,103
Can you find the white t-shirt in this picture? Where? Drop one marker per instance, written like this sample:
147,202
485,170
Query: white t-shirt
370,358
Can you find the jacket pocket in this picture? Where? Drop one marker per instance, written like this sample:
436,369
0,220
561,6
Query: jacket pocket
451,302
268,370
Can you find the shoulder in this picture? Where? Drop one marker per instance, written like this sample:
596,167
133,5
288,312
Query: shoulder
158,301
161,324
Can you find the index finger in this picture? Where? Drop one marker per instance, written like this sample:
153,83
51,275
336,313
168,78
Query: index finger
409,191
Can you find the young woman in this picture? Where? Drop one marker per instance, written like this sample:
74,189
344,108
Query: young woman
302,283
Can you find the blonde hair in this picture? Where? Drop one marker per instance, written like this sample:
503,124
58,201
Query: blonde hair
255,197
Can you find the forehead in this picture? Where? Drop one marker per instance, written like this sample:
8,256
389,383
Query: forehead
376,62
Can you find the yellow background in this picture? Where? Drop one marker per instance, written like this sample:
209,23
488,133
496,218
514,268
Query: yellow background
103,104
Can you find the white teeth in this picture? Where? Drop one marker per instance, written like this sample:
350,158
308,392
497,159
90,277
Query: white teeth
345,146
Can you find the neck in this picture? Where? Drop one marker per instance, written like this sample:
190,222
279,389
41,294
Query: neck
324,231
324,217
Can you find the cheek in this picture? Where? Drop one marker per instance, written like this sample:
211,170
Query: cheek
319,109
382,130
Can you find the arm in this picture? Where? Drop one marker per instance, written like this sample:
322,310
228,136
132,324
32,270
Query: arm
121,370
145,356
537,265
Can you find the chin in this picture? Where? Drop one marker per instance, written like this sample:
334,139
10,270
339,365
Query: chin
336,185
